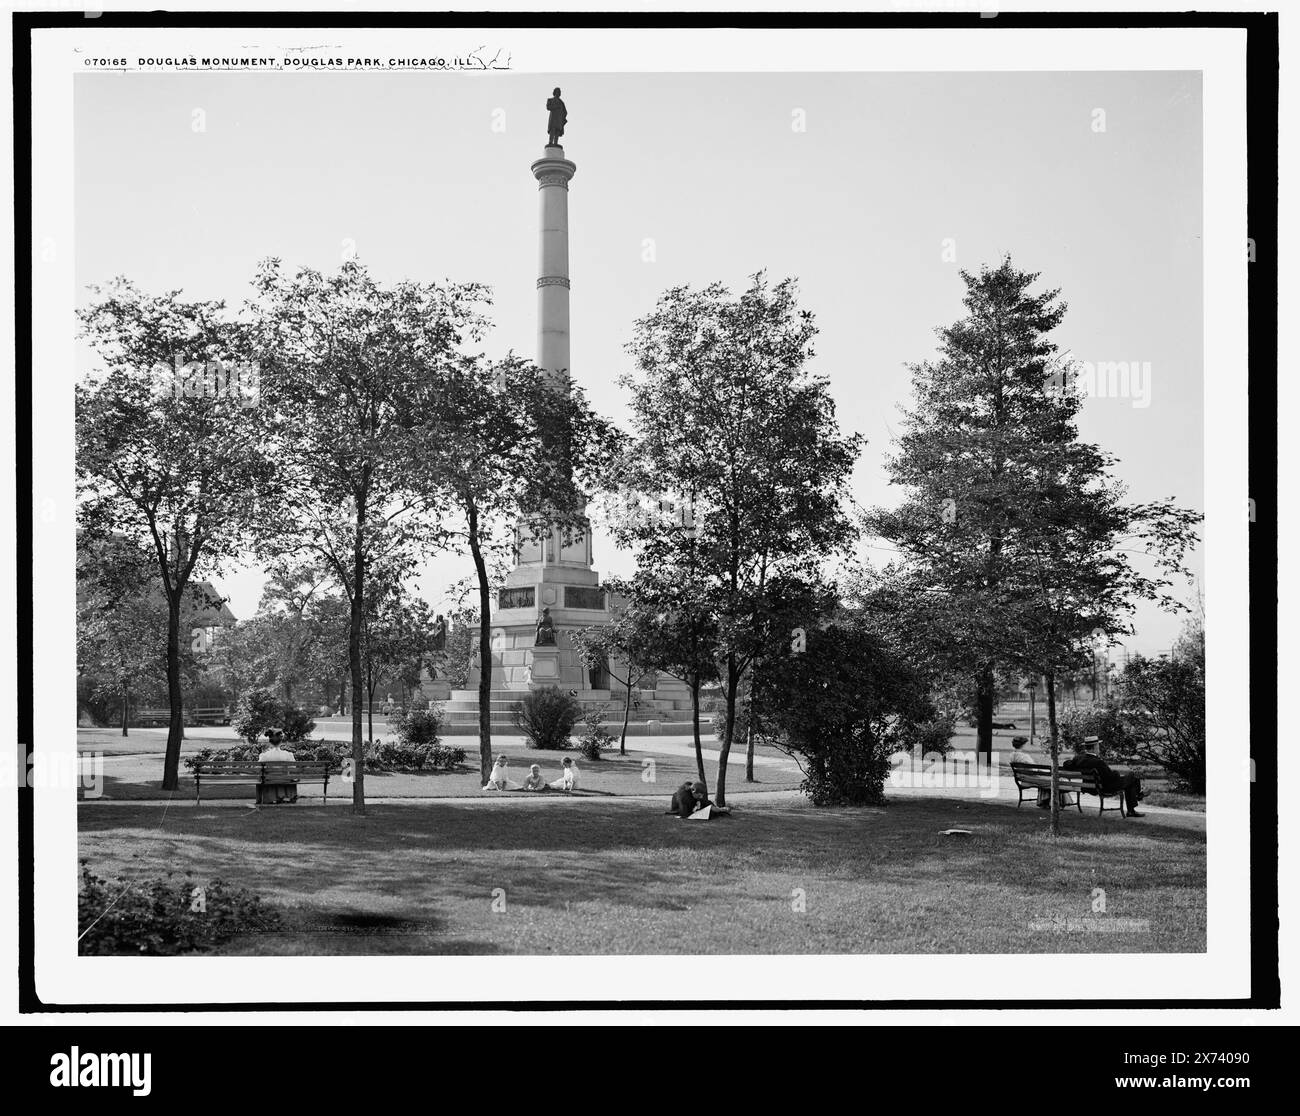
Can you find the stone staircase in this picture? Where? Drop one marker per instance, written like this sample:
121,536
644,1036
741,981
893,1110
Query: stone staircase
670,703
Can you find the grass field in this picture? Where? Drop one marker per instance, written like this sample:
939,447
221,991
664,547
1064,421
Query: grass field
616,876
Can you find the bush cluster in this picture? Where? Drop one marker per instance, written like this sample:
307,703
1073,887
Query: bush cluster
931,736
595,738
258,711
1114,732
164,915
546,716
379,756
416,727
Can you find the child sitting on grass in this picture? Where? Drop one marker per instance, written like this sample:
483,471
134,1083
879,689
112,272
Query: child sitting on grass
568,780
498,780
535,782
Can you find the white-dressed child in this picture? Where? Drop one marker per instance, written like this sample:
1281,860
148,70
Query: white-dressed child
498,779
535,782
568,780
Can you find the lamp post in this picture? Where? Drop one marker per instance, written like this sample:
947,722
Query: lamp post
1033,684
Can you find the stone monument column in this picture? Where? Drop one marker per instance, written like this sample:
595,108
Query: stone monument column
554,571
553,172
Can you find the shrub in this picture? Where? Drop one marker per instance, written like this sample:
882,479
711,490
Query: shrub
595,737
1106,722
244,751
255,712
546,716
411,757
296,723
158,916
260,710
842,708
930,736
445,756
416,727
1165,703
379,756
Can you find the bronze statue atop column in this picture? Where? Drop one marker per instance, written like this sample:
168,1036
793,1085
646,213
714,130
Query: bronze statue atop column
558,118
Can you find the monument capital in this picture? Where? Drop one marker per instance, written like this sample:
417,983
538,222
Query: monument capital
553,169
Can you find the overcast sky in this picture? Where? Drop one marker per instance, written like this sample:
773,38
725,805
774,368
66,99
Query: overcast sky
690,179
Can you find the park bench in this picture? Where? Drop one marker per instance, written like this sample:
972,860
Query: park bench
1033,777
259,773
210,715
152,716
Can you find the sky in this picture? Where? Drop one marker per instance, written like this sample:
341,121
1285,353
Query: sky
872,189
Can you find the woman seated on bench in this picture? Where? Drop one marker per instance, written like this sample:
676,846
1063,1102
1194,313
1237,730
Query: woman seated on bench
272,793
1021,754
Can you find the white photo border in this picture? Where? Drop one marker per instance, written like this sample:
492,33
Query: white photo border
1221,973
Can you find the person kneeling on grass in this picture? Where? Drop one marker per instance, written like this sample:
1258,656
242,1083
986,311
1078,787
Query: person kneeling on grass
497,779
692,798
568,780
535,782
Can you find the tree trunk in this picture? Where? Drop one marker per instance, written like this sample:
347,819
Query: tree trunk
484,651
1050,678
733,683
984,714
126,710
176,727
695,721
627,712
354,666
749,735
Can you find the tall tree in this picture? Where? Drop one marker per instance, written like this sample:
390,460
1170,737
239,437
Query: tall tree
966,456
166,453
290,627
728,416
623,647
350,369
121,619
398,641
1014,539
678,632
1069,578
506,449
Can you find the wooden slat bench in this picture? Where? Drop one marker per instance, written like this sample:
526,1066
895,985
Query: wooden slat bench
1033,777
152,716
259,774
210,715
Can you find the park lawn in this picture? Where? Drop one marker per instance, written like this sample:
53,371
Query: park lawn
137,778
135,774
611,876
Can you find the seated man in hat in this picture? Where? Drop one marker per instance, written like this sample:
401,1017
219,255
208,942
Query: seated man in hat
1085,758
